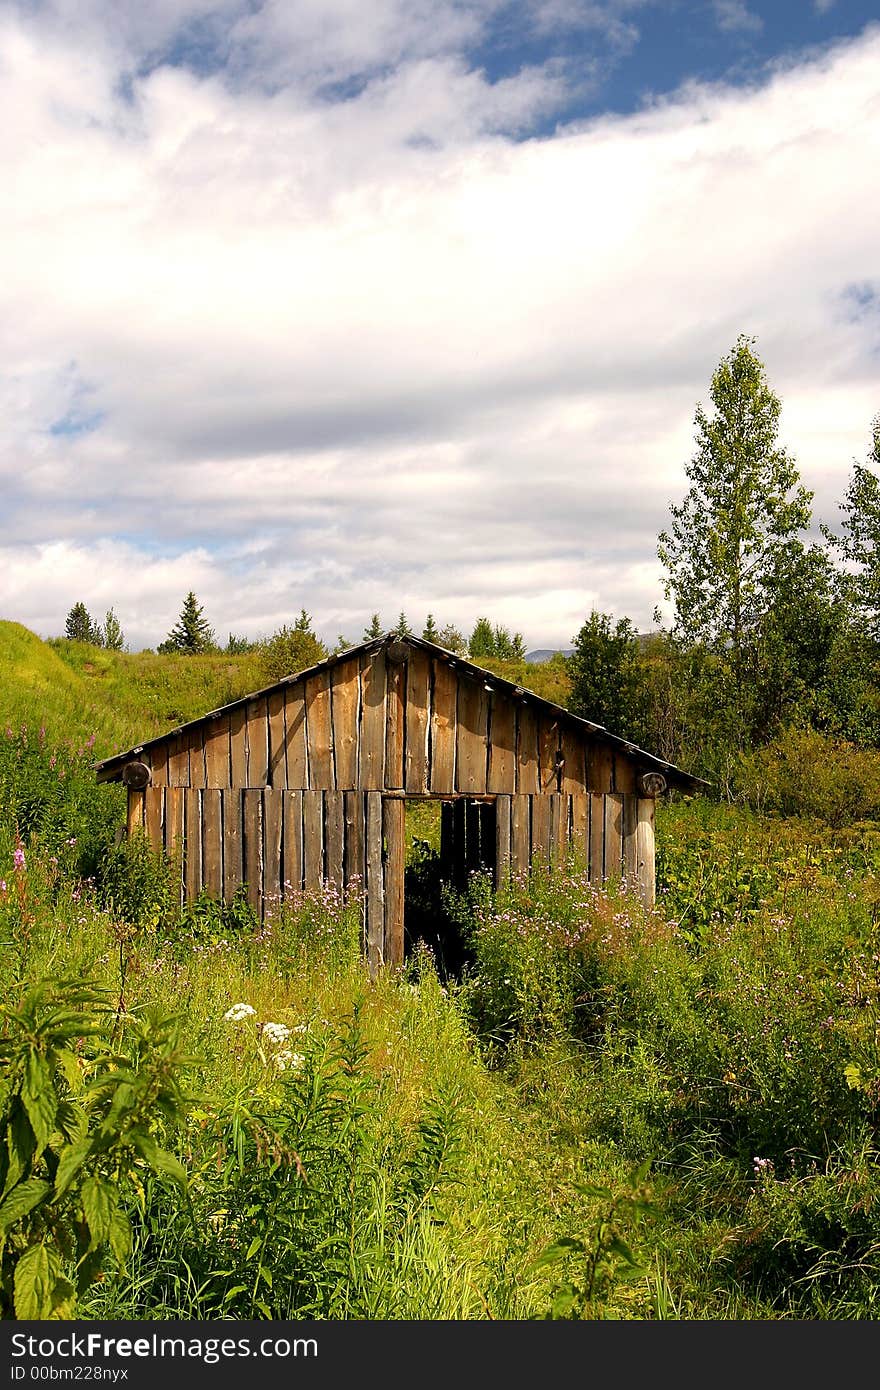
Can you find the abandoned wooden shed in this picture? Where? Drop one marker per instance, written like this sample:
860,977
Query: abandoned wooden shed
307,781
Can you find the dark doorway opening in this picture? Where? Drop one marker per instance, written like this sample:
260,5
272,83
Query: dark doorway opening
447,842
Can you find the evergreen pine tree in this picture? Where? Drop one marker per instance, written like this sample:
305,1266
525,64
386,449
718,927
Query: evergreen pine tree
430,632
192,633
374,630
80,628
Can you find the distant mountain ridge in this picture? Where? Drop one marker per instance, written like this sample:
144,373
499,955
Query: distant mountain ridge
541,654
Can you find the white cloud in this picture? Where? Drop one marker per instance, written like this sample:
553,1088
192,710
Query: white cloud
374,354
735,17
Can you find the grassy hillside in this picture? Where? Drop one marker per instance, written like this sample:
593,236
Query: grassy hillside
78,692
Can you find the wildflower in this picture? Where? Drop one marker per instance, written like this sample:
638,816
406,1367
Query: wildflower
2,885
275,1033
238,1012
285,1058
762,1165
18,859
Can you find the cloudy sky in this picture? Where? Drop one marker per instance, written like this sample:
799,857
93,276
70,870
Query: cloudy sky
360,305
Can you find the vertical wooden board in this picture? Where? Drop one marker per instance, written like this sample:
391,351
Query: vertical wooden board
371,770
472,727
624,774
502,744
258,742
153,806
174,820
159,764
394,723
345,694
548,747
630,840
375,886
192,815
441,773
178,761
353,864
597,837
217,751
601,767
527,779
394,834
313,839
502,840
212,842
613,835
560,812
645,840
418,681
580,827
252,836
574,770
291,844
238,748
232,846
272,824
541,830
134,813
196,742
277,759
334,838
520,833
296,742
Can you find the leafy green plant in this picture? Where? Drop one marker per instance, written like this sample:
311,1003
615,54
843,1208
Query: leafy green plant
600,1258
78,1121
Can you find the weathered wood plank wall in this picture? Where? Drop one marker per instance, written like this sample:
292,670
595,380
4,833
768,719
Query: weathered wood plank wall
422,725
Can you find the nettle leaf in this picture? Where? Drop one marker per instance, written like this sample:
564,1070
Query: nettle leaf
563,1301
565,1245
99,1204
639,1173
620,1248
70,1121
39,1098
69,1164
120,1236
72,1068
160,1160
21,1200
590,1189
19,1145
33,1284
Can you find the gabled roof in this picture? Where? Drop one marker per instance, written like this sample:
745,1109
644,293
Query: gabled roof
109,767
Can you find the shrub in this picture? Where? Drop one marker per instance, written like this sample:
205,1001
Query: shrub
805,773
